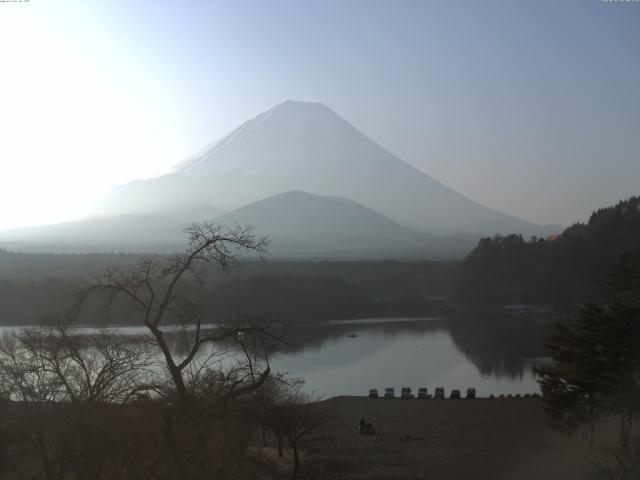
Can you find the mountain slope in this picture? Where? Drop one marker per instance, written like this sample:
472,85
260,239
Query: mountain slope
301,224
128,232
322,224
132,233
306,146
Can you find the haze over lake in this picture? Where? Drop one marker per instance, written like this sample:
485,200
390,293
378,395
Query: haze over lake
395,353
348,357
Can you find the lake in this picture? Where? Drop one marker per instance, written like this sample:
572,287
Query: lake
349,357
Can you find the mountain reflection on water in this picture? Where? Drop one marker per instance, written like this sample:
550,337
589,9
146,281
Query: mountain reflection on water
487,352
350,357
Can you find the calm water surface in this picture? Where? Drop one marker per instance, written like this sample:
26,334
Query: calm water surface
349,357
400,353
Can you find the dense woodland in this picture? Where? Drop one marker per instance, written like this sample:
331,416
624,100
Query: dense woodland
295,292
563,270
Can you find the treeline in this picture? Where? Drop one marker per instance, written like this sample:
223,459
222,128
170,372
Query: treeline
563,270
294,292
37,266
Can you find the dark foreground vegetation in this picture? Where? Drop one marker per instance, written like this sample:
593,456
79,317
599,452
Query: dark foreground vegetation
595,375
104,407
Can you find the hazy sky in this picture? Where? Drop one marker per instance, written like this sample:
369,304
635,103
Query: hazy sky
532,108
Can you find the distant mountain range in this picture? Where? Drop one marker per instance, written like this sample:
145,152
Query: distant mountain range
301,174
126,233
311,225
306,146
299,225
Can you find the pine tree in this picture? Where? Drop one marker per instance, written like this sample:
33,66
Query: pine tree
574,386
596,362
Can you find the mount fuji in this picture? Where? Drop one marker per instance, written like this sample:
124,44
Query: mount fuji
306,146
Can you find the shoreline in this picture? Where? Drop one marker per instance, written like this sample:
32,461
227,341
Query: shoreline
466,439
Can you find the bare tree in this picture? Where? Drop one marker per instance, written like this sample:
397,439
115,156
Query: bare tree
36,392
74,389
290,413
216,365
65,385
6,439
162,291
618,461
265,408
302,417
98,372
101,367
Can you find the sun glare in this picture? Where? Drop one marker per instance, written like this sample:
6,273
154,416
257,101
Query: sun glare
66,132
